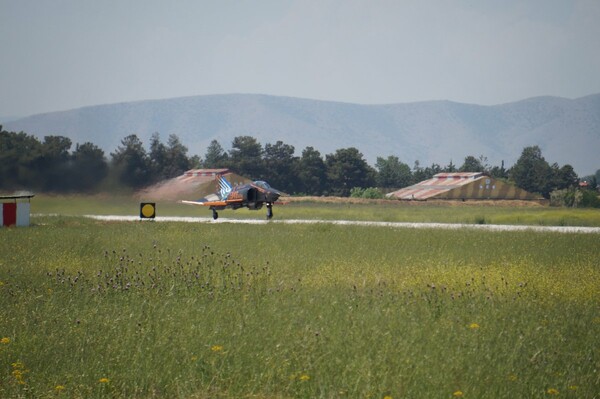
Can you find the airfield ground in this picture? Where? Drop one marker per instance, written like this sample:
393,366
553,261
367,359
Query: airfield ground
105,309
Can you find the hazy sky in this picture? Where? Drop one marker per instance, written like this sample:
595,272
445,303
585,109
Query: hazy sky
63,54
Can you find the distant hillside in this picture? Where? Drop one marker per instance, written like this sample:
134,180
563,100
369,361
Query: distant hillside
6,119
567,131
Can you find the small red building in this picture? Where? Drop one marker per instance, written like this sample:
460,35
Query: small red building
15,210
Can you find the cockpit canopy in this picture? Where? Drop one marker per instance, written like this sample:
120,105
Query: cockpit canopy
262,184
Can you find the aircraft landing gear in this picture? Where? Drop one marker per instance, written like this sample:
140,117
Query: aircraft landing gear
215,214
269,211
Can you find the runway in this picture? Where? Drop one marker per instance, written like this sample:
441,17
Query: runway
398,225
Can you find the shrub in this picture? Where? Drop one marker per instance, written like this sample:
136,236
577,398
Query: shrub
589,199
370,193
574,198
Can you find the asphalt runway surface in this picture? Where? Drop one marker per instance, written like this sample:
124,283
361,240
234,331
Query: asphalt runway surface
399,225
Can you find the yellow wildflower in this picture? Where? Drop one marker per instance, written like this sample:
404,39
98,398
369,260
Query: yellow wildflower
458,394
473,326
103,380
552,391
17,365
59,387
18,374
573,387
5,340
387,397
304,377
216,348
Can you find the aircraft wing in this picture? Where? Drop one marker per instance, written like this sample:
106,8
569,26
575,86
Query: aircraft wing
209,200
193,202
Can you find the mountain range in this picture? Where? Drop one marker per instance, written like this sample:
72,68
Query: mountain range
566,130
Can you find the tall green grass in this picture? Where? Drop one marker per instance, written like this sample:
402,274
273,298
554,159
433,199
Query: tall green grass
94,309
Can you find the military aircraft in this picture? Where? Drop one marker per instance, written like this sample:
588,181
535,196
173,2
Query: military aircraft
251,195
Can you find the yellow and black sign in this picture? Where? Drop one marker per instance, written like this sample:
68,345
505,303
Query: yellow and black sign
147,210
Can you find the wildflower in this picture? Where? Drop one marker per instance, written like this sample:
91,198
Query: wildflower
19,372
473,326
5,341
304,377
59,388
103,380
458,394
216,348
194,358
573,387
552,391
17,365
387,397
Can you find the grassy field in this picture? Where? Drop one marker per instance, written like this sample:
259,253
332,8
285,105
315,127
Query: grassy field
494,212
167,310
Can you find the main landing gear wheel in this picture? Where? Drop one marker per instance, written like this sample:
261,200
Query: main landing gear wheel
269,211
215,214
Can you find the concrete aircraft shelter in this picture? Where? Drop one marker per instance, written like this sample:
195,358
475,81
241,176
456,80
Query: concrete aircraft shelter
192,184
464,186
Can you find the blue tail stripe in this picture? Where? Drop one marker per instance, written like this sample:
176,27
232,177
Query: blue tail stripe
224,187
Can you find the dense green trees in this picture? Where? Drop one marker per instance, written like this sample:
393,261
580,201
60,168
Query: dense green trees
28,164
392,173
311,173
134,167
50,165
215,157
472,164
280,165
18,155
420,173
346,169
131,164
533,173
246,157
89,167
177,160
499,172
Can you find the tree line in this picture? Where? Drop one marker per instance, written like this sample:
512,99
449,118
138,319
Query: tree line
52,165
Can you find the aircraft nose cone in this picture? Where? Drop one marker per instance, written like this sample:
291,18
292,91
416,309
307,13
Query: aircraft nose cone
273,196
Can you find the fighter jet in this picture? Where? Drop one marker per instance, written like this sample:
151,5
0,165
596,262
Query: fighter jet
252,196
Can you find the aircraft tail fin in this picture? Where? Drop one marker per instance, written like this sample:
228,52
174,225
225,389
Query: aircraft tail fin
224,187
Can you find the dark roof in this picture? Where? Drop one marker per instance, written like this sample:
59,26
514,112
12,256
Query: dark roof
16,196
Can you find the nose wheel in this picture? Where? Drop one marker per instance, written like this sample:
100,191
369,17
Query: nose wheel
269,211
215,214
